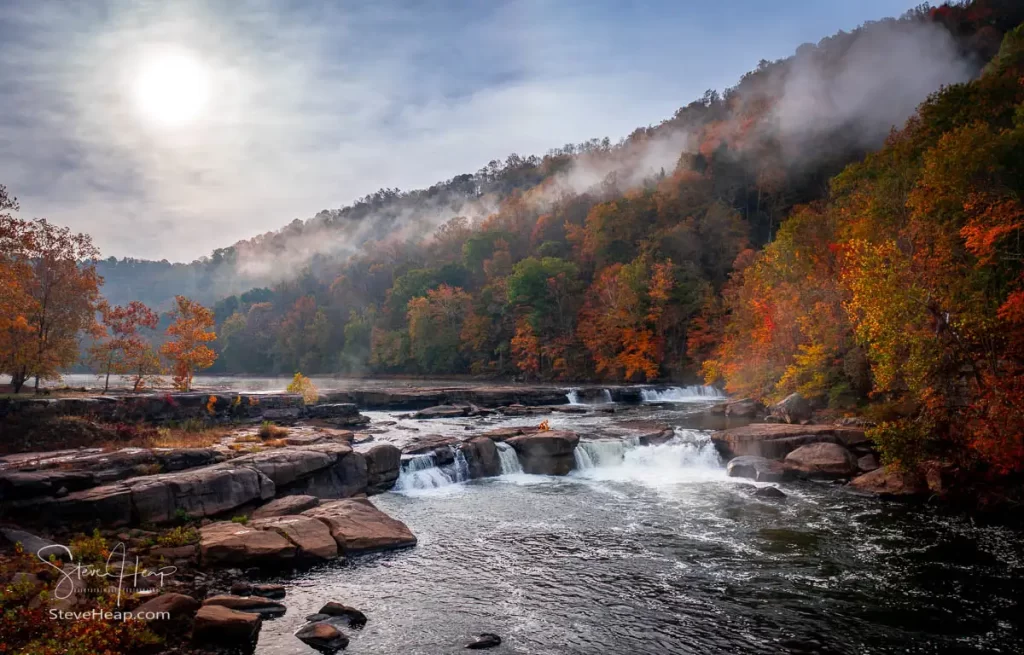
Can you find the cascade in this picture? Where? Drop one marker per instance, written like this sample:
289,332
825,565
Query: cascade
422,472
604,397
509,459
690,394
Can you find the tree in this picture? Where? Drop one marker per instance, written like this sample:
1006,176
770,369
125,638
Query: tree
435,325
190,331
51,295
124,350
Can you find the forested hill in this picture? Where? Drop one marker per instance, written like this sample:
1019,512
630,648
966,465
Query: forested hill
598,260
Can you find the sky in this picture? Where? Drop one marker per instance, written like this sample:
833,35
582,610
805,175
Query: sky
168,129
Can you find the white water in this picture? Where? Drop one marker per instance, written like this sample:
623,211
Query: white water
690,394
510,464
422,472
573,397
689,457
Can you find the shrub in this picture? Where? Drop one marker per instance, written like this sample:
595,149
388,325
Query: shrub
903,443
179,536
90,548
303,385
270,431
242,519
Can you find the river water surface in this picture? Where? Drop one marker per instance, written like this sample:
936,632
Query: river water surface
654,550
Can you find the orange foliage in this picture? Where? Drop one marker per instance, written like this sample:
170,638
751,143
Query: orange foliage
187,349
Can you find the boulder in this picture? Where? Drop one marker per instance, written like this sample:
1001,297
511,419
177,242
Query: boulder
744,408
345,478
775,441
286,505
354,617
822,460
322,636
656,438
231,544
482,457
178,606
867,463
438,445
756,468
794,408
891,484
549,452
222,626
383,464
285,466
357,526
310,536
255,604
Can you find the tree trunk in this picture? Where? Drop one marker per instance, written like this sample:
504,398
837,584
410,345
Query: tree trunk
18,381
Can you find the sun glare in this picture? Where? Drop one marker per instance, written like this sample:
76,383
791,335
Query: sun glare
172,88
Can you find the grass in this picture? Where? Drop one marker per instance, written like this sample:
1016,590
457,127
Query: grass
176,437
269,431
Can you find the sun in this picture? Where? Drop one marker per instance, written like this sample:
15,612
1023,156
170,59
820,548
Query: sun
172,88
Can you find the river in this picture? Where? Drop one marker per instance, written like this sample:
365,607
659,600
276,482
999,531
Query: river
655,550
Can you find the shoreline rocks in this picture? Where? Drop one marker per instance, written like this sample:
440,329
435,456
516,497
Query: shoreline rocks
822,460
759,469
775,440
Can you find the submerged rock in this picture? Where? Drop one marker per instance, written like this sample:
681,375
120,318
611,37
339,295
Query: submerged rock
223,626
322,636
823,460
549,452
255,604
769,492
275,591
756,468
484,640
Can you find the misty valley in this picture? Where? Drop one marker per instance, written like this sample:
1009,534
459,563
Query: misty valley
749,379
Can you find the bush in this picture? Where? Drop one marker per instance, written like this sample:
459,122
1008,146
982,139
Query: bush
903,443
303,385
179,536
90,549
269,431
241,519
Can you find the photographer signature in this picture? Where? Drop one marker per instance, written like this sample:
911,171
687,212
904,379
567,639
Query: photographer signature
112,569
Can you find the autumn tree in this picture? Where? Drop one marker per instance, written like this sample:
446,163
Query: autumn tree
52,292
190,331
122,350
435,325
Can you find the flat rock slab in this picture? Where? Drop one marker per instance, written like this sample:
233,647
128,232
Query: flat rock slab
286,505
311,536
357,526
229,544
775,441
255,604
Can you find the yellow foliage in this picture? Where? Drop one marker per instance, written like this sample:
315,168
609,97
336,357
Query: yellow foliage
303,385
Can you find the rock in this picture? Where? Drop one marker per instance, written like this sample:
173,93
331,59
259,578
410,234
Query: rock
357,526
219,625
231,544
18,485
332,410
438,445
775,441
867,463
174,552
322,636
178,606
744,408
287,465
285,506
197,492
482,457
32,544
756,468
443,411
503,434
822,460
484,640
546,453
355,618
265,590
792,409
383,464
312,538
346,478
255,604
656,438
891,484
769,492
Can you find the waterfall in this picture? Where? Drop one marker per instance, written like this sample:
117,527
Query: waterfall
509,459
690,394
422,472
690,456
596,397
